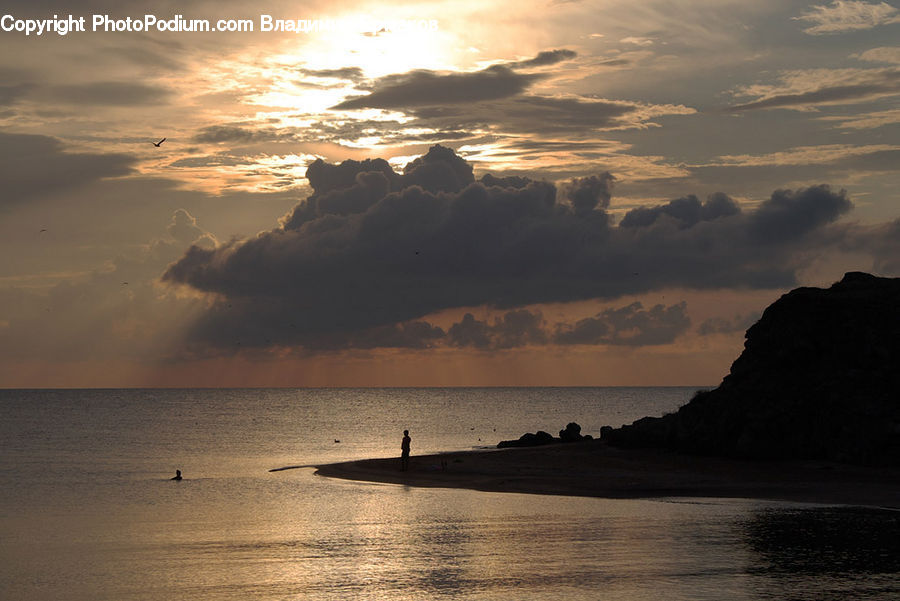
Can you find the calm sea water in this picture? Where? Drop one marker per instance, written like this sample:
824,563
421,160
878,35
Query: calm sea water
87,511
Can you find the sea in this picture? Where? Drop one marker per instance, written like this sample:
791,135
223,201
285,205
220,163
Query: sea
88,511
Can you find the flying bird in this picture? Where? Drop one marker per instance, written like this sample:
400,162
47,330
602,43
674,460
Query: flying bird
158,143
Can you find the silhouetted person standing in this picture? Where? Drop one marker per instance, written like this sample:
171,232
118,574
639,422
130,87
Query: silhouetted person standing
404,451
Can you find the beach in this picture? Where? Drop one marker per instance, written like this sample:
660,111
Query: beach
595,469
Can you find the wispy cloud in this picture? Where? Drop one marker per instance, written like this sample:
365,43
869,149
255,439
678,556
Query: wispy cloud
884,54
848,15
808,88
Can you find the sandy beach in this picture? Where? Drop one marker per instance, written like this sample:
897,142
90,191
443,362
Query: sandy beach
594,469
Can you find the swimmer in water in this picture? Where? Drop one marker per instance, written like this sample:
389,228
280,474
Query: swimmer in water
177,475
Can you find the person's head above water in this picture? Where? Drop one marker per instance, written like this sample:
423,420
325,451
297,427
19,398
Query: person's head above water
177,475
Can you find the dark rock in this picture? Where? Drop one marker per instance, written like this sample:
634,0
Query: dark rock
571,433
529,440
818,379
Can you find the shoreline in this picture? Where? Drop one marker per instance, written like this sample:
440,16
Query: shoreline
595,469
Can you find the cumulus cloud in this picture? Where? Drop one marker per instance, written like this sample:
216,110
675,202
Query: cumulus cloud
789,213
371,248
588,193
685,212
631,325
848,15
32,166
514,329
184,230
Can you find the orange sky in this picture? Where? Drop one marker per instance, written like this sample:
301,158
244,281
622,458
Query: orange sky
698,158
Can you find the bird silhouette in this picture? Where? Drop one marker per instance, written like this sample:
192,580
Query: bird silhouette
158,143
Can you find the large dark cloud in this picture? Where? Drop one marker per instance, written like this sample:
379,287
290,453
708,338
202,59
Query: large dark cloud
424,88
372,248
32,166
789,213
686,212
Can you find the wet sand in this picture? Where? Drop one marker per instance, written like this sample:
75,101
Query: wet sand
594,469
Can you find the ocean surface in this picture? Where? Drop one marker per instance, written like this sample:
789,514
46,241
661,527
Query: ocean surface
88,513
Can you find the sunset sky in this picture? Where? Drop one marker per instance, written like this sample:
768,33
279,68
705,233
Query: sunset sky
535,193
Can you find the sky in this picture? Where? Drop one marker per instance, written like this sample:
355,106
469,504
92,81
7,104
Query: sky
466,193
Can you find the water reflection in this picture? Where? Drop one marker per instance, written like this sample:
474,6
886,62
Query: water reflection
825,553
826,540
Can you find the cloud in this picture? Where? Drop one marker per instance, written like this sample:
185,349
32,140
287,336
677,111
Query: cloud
880,241
631,325
545,58
371,248
723,325
848,15
637,41
574,116
105,93
217,134
686,212
802,90
514,329
884,54
789,213
588,193
353,74
872,120
115,312
10,94
33,166
184,230
428,88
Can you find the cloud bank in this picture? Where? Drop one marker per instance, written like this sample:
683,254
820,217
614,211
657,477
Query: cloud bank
371,253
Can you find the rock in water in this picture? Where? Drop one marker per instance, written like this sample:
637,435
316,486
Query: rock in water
819,378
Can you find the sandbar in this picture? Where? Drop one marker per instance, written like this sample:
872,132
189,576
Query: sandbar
595,469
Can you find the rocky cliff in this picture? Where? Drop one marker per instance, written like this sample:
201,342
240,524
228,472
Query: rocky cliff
819,378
